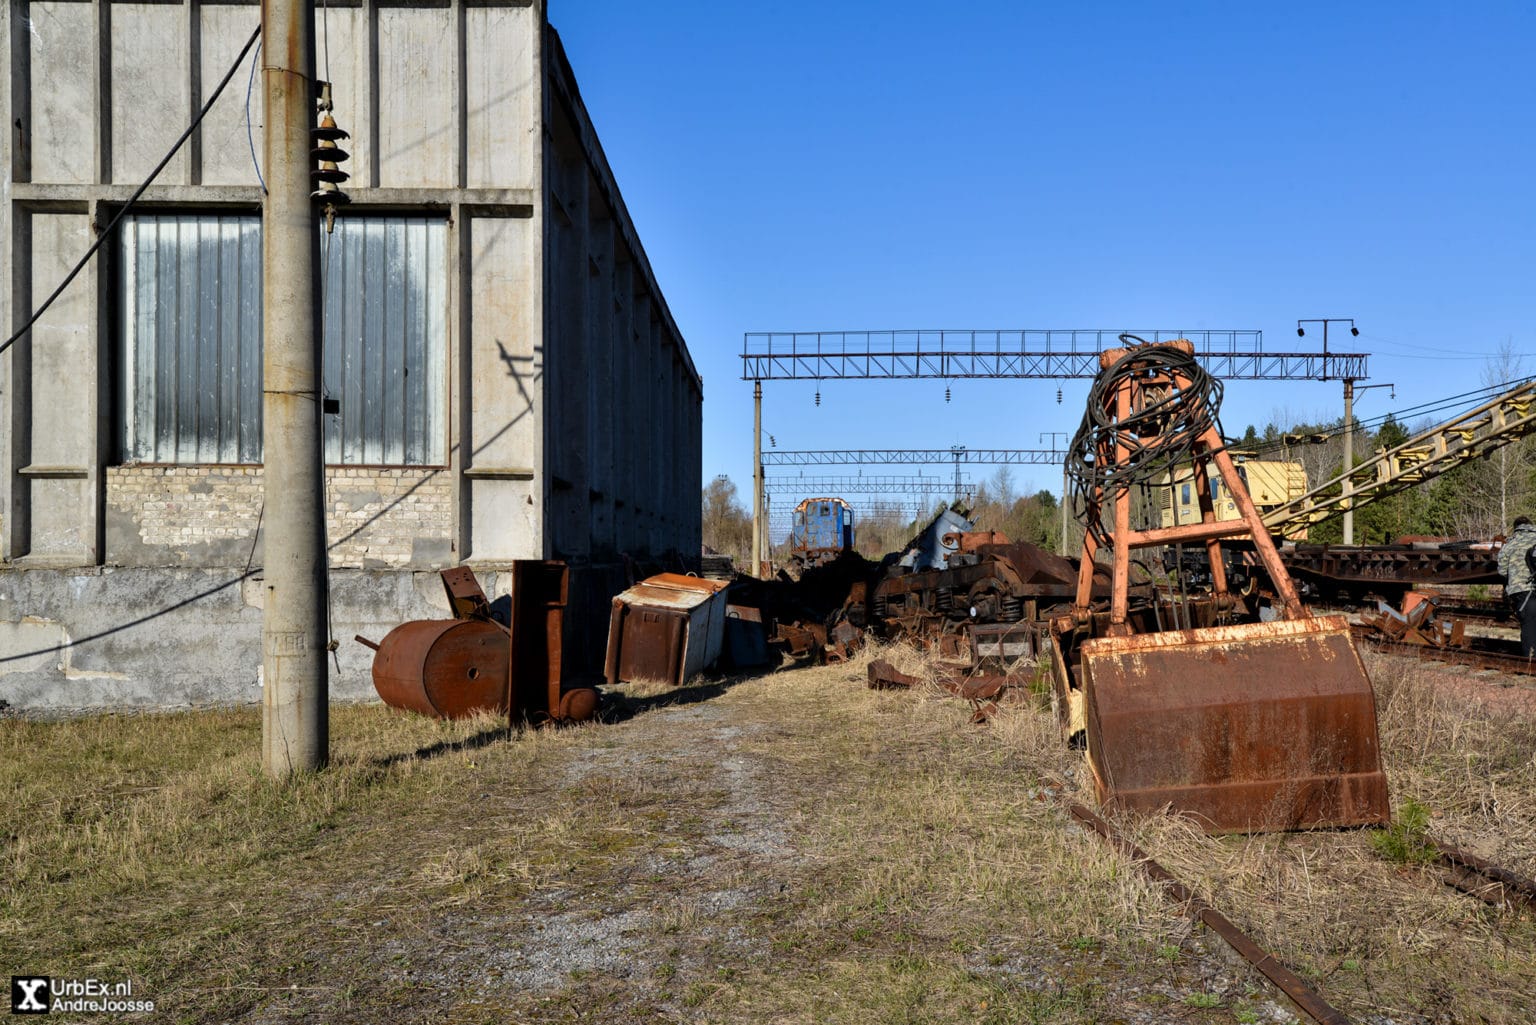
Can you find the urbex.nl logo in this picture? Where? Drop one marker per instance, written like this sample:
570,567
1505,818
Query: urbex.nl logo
29,994
39,994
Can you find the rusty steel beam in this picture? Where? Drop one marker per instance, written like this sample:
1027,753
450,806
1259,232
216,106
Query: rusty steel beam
1483,879
1292,985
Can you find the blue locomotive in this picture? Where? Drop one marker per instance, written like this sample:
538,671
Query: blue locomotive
823,529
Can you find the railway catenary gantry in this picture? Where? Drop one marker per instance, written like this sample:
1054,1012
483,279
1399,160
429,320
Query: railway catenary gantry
896,486
1015,353
914,456
1021,353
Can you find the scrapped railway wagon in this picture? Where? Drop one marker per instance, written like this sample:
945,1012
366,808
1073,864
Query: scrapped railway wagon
983,583
1244,725
1350,573
1390,571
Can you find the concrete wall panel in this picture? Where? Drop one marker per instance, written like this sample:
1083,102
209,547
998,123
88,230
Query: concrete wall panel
62,91
62,523
418,136
150,107
159,638
63,356
506,422
349,86
501,88
225,137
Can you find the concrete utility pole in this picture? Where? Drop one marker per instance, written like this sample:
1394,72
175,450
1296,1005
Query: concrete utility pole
1349,451
758,526
1053,435
1349,458
295,724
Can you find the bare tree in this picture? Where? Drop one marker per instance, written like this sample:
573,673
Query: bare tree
1511,465
727,525
1001,487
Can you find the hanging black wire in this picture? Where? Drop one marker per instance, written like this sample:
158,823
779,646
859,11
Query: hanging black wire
122,211
1158,438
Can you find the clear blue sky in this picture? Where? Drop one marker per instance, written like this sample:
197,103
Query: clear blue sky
851,165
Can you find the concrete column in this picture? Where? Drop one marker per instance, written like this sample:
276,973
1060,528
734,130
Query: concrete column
621,407
13,84
295,727
599,327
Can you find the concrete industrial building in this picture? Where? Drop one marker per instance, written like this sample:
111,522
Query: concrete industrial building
509,381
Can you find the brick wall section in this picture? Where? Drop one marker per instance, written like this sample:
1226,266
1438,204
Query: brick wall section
375,518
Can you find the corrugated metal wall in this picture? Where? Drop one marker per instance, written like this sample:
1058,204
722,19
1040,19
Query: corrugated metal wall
191,295
386,316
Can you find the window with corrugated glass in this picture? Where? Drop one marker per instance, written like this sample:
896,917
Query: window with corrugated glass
191,334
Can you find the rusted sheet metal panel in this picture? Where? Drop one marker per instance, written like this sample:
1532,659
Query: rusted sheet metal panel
1004,642
1254,727
465,596
674,591
450,668
884,676
667,627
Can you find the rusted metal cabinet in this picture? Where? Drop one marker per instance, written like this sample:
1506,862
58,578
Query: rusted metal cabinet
666,629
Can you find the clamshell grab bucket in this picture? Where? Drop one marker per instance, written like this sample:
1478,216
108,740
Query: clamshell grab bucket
1254,727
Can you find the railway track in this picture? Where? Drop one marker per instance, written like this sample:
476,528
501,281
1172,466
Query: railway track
1481,653
1459,869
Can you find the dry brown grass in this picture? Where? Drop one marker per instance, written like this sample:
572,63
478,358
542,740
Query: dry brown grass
1378,935
793,847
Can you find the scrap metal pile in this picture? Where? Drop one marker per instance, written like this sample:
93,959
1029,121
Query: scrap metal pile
1246,714
509,660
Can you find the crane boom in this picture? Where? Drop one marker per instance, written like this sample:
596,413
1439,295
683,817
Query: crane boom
1478,432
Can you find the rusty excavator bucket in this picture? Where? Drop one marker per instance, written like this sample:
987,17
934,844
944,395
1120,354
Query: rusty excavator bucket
1246,726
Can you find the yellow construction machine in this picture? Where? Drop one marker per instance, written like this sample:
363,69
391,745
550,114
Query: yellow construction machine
1194,705
1271,483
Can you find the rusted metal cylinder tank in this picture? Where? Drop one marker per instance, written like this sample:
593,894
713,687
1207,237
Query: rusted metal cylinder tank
443,667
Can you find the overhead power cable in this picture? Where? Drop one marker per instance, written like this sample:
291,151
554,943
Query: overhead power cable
1459,402
101,240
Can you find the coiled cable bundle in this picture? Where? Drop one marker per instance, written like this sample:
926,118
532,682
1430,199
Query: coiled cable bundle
1158,434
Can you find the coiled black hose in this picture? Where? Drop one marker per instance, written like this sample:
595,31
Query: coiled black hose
1158,438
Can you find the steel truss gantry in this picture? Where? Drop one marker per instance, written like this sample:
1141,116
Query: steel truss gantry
816,487
913,456
996,353
1023,353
